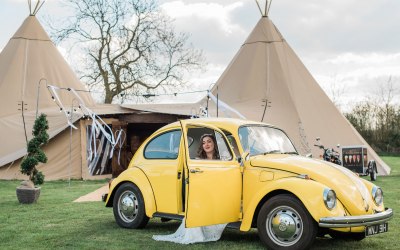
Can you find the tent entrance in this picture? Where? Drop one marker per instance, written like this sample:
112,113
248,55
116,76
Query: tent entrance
136,128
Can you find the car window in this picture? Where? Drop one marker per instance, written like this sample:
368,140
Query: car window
195,135
224,152
164,146
232,142
258,139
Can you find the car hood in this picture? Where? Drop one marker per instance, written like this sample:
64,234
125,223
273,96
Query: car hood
349,188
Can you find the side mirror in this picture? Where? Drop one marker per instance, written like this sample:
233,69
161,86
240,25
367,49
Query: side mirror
317,139
338,146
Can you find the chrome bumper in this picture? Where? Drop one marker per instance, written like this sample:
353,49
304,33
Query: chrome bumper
356,221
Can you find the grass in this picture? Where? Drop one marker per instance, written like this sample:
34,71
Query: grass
57,222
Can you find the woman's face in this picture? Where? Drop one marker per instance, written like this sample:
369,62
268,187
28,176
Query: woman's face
208,144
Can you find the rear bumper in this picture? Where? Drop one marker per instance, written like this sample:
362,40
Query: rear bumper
356,221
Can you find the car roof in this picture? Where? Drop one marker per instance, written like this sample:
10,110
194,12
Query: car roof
218,122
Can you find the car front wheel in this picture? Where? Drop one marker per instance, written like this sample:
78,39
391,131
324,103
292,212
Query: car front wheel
129,208
284,223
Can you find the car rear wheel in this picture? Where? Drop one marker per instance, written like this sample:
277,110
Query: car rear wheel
129,208
284,223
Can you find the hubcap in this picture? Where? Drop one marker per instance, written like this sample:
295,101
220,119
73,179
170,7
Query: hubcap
128,206
284,226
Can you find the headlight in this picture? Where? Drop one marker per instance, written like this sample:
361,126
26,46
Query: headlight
377,194
329,198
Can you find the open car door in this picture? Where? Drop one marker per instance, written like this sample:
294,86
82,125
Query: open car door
213,186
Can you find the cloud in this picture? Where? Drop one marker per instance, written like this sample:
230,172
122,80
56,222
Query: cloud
219,28
214,12
356,76
354,43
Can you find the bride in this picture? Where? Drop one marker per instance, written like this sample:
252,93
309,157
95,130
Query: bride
183,235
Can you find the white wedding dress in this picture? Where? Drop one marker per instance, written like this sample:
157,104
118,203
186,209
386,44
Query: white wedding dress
193,235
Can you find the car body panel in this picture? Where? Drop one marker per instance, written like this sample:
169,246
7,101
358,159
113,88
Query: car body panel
136,176
213,192
208,181
309,192
349,188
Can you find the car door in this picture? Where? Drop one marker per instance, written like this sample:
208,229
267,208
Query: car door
213,186
163,169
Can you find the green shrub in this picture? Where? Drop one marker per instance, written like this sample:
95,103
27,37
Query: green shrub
35,153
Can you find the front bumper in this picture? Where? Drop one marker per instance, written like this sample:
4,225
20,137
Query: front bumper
356,221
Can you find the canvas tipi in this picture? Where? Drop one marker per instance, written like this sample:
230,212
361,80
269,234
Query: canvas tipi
266,81
28,63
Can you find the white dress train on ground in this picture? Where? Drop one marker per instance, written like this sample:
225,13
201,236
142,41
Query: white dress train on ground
193,235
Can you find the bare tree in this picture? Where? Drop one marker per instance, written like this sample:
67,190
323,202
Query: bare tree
386,111
336,92
378,118
130,46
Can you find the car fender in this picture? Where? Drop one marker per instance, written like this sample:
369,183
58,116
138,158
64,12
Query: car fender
309,192
136,176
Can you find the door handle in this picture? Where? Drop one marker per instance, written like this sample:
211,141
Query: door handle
194,171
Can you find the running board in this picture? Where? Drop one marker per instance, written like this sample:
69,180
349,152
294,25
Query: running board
232,225
169,216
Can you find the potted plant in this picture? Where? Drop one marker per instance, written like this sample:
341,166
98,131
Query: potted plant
28,191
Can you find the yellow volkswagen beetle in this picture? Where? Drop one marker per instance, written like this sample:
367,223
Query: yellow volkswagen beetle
259,181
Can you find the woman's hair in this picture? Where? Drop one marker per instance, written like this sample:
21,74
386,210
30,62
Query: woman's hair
201,153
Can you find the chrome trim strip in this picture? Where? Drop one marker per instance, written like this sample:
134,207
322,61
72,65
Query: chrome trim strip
356,221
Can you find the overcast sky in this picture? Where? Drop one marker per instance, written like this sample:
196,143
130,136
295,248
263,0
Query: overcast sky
353,44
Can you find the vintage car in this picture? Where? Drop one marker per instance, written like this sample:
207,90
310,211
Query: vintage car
260,181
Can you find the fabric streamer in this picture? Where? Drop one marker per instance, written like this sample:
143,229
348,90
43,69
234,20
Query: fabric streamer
225,107
193,235
119,133
98,125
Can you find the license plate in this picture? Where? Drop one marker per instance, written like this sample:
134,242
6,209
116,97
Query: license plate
376,229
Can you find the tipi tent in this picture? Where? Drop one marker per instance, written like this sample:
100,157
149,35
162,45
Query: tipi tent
266,81
28,63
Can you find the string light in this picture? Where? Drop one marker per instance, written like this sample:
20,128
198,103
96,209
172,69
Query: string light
174,93
138,95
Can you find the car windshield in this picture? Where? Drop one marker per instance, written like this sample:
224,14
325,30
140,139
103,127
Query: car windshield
265,140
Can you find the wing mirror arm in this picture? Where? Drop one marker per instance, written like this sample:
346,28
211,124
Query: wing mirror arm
244,157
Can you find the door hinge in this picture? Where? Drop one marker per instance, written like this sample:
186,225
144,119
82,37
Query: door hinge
187,181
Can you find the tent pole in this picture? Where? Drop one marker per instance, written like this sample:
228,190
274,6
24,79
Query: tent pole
217,100
38,94
22,104
208,98
259,8
71,115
